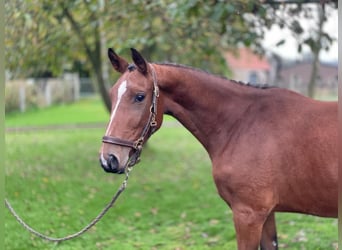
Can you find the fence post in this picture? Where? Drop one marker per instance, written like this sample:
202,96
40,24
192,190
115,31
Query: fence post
48,99
22,98
72,82
76,86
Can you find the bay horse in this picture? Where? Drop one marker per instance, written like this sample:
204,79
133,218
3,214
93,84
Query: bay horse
272,150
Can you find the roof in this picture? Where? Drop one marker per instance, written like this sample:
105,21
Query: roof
303,70
246,59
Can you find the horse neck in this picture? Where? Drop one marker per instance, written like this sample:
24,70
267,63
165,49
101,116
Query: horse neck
208,106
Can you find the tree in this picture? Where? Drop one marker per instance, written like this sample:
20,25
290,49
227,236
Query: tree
315,38
30,36
47,35
316,43
53,33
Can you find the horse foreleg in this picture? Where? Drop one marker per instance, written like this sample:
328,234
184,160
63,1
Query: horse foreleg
248,226
269,234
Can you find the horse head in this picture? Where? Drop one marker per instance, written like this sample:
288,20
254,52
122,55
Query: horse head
135,115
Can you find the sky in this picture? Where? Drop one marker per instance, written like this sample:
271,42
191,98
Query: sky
289,49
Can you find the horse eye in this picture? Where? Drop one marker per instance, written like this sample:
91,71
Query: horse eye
139,98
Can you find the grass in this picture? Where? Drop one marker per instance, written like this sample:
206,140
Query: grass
54,181
88,110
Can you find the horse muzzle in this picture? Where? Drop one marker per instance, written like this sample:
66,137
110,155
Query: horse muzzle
111,164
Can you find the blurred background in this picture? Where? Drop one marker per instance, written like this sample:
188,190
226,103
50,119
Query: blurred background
57,106
56,50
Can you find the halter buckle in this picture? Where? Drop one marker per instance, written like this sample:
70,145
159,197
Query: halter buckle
153,123
138,143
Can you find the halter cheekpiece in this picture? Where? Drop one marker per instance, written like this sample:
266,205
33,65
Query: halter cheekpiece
149,128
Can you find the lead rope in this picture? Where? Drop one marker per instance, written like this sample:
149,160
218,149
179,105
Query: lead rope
86,228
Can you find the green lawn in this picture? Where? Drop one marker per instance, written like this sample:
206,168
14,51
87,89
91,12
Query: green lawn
53,179
89,110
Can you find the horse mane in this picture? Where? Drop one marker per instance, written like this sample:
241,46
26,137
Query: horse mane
248,84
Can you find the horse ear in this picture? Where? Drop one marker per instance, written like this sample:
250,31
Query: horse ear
139,61
119,64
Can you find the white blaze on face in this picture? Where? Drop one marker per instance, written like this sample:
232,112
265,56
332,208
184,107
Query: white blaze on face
121,91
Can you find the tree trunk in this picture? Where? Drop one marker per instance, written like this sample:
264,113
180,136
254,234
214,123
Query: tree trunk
102,88
101,43
313,77
93,55
316,48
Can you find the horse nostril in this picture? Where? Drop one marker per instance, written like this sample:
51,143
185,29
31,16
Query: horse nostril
113,163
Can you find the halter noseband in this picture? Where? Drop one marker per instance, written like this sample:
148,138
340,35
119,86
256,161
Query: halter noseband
149,128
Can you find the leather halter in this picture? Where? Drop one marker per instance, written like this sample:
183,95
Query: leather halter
149,128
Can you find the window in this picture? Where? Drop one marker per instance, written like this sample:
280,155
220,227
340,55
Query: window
253,77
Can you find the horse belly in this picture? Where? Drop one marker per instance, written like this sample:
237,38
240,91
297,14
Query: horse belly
314,193
308,165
